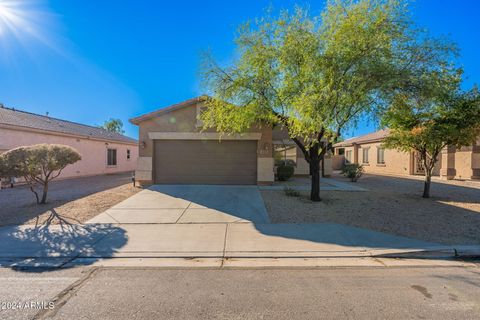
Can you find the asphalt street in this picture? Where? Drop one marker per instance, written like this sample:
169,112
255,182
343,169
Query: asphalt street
321,293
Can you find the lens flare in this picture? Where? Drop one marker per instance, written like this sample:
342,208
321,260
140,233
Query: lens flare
24,23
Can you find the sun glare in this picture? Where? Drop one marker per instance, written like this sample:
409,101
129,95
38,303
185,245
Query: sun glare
9,16
24,23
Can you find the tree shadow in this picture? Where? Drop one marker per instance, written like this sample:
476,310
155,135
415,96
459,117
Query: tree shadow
45,247
381,231
18,204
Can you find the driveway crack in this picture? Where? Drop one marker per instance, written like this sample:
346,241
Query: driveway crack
183,212
224,245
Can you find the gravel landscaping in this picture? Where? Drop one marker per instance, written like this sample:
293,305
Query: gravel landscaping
69,201
393,205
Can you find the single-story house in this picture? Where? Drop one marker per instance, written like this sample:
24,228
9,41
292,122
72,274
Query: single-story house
102,152
367,150
175,150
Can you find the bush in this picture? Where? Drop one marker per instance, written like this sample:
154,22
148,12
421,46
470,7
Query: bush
38,164
289,191
285,172
353,171
288,162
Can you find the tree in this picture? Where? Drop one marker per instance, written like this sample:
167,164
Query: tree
38,164
113,125
433,116
314,76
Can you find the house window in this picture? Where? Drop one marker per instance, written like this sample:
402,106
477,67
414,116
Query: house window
128,154
111,157
381,156
365,155
348,155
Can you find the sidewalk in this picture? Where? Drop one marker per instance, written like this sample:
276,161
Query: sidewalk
216,245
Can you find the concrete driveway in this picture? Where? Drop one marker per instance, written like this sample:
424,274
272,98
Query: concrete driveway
167,204
198,226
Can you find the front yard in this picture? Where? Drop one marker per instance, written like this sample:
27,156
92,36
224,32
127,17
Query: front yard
70,201
393,205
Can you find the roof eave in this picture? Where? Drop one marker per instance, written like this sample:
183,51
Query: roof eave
162,111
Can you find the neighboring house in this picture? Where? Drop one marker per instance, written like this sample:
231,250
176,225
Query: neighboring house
175,150
102,152
367,150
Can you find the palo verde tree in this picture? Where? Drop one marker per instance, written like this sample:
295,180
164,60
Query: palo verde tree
38,165
434,115
313,76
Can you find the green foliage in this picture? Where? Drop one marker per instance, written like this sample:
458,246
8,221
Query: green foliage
353,171
434,114
316,76
290,192
3,168
428,124
113,125
287,162
38,164
285,172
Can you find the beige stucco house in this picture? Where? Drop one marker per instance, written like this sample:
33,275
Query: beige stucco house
367,150
173,149
102,152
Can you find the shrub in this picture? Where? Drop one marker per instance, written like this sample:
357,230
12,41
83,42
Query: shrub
290,192
353,171
287,162
38,164
285,172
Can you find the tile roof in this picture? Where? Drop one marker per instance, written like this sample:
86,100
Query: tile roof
18,118
371,137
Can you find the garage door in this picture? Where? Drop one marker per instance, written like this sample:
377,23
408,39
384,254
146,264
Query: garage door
205,162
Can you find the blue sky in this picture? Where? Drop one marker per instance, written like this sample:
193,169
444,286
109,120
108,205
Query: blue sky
87,61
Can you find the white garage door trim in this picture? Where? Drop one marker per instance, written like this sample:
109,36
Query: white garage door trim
203,136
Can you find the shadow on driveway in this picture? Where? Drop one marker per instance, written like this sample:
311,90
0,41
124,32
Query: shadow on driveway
39,248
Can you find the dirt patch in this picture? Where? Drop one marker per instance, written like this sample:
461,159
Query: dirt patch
393,205
70,201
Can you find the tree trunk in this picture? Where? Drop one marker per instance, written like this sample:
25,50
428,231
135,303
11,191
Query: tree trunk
44,194
426,187
35,193
323,167
315,172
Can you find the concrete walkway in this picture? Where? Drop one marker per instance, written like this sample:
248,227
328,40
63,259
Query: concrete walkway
304,184
203,245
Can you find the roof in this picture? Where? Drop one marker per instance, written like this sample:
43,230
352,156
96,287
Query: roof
18,118
367,138
168,109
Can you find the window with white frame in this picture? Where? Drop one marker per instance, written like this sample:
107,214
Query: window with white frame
365,155
111,157
380,155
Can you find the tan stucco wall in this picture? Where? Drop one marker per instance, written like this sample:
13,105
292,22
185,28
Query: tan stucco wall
396,162
461,163
93,152
303,168
185,120
467,162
